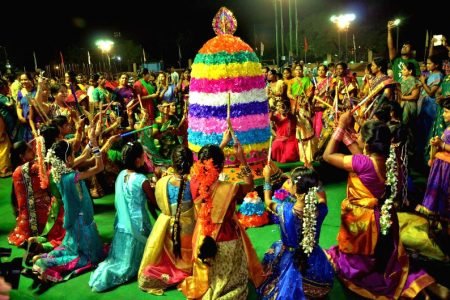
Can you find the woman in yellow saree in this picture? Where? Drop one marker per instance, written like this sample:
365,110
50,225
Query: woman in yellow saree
224,258
167,258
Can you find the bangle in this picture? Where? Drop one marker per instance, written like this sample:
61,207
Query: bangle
267,186
338,134
347,139
95,150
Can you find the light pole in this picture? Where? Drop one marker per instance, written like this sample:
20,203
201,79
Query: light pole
343,23
276,33
282,29
105,46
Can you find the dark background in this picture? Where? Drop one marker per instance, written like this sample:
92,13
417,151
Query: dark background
159,27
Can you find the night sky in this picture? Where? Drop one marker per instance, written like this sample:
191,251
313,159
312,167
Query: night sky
188,22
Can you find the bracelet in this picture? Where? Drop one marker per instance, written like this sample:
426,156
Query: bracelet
267,186
95,150
347,139
338,134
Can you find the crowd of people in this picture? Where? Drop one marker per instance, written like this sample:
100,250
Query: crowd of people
65,143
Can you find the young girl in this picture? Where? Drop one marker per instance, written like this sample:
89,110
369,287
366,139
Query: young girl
296,264
81,248
168,253
132,223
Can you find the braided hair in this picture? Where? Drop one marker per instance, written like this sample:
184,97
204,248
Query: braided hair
182,159
304,179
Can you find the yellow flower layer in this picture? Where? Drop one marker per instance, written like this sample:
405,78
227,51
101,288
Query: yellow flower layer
230,150
204,71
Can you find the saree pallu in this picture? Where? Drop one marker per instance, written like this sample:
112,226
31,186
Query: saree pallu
159,267
205,280
414,234
436,199
354,258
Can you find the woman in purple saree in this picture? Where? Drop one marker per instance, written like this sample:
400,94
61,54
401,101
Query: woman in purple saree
369,258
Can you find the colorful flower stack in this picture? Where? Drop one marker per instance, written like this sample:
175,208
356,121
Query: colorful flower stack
227,87
252,212
280,196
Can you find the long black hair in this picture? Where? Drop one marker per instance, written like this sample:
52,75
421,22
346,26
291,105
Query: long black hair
182,159
18,150
212,152
62,150
130,152
377,136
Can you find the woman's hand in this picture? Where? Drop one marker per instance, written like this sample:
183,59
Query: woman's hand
436,141
92,136
98,128
267,172
240,153
4,289
345,119
225,139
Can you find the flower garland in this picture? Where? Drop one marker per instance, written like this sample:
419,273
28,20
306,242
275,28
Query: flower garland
309,221
41,151
391,180
281,195
58,168
206,174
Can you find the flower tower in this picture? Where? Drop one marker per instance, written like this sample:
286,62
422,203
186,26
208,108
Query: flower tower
227,90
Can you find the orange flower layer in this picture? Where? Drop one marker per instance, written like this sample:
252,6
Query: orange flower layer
225,42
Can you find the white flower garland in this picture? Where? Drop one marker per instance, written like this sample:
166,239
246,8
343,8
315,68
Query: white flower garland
391,180
309,221
58,168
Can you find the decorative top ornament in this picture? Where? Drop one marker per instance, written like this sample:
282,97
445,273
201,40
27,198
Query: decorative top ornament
224,22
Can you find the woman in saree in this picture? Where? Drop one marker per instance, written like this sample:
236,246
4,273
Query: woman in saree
300,93
168,252
285,144
322,88
81,248
223,257
369,259
435,207
296,265
40,214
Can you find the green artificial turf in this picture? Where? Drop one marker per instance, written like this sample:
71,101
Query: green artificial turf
77,288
